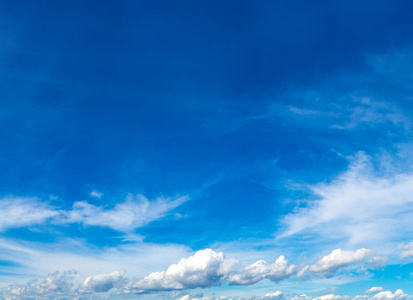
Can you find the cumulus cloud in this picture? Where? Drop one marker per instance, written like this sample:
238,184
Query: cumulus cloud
54,286
361,206
407,250
388,295
279,270
63,286
204,269
328,265
208,268
102,282
374,289
126,216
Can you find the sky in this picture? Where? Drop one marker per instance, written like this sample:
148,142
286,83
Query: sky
204,150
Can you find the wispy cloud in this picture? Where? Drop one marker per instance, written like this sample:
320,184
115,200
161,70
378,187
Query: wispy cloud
360,206
96,194
24,211
126,216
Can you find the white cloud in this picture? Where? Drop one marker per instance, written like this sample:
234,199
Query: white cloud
279,270
398,295
54,286
102,282
135,212
23,211
96,194
374,289
365,111
407,250
204,269
277,295
388,295
126,216
332,297
360,206
328,265
377,262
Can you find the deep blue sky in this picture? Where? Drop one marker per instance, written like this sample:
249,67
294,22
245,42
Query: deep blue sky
244,108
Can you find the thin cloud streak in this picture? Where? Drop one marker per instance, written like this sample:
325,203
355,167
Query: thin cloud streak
126,216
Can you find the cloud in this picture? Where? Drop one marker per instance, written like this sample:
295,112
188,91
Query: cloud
204,269
135,212
279,270
24,211
208,268
361,206
96,194
54,286
124,217
365,111
332,297
102,282
388,295
407,250
328,265
377,262
374,289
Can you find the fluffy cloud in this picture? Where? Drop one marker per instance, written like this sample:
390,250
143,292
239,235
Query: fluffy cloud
328,265
407,250
135,212
388,295
102,282
54,286
362,205
279,270
62,286
204,269
374,289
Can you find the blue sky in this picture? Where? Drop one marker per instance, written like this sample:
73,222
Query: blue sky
206,150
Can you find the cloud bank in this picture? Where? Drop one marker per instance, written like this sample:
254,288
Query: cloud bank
204,269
